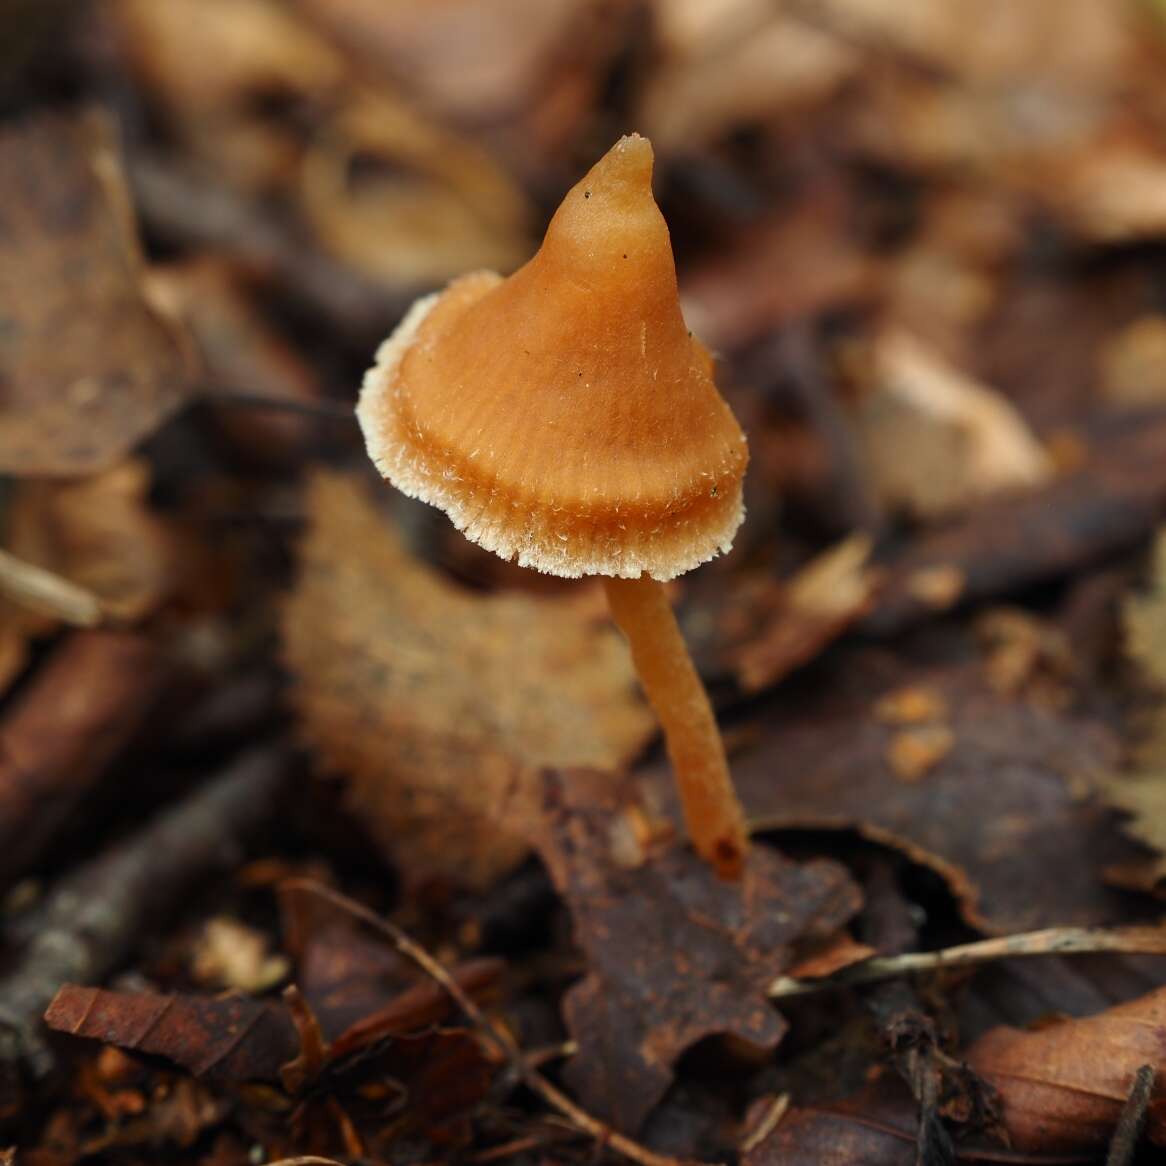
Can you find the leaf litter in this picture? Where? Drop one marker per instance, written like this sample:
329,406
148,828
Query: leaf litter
439,707
924,241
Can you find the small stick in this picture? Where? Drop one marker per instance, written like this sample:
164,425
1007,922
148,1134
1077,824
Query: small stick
1052,941
1128,1132
496,1034
46,593
93,917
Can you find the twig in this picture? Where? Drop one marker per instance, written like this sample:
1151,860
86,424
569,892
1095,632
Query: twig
1053,941
92,918
770,1120
498,1036
1128,1131
46,593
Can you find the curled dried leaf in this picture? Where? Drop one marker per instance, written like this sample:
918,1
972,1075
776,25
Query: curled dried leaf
1063,1086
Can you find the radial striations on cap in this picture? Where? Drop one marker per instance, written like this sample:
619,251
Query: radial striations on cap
564,417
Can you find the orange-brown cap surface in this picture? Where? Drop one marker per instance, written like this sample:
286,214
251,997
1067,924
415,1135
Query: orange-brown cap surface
564,417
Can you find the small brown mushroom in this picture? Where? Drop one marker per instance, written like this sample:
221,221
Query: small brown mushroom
565,417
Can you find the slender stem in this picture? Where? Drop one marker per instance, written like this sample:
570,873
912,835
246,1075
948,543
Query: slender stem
712,813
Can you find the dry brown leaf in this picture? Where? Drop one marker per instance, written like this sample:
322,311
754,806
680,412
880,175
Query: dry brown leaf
238,351
440,705
789,266
816,606
1062,1087
1004,816
206,57
217,66
1110,192
994,42
425,206
468,60
1141,791
86,367
674,954
97,532
769,66
1133,364
934,439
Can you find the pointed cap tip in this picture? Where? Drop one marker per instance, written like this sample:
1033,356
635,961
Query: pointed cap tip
629,161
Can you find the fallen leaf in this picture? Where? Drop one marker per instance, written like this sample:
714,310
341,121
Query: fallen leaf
1004,545
1140,791
935,440
86,367
97,532
239,352
1133,364
470,60
808,612
915,751
995,41
1063,1086
674,954
786,267
1006,816
439,706
215,1038
100,533
837,1136
423,205
214,67
759,68
422,1078
229,954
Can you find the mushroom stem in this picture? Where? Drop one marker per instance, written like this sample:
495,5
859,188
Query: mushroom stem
712,813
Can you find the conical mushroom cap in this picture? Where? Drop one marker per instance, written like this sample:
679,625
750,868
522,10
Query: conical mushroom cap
565,417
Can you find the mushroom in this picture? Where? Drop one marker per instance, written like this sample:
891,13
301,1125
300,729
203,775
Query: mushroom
565,417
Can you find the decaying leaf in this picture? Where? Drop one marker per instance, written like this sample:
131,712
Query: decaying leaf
1133,364
786,267
238,351
439,706
934,439
1063,1086
674,954
216,1038
86,367
468,60
741,71
1141,791
234,1040
1006,814
427,205
825,597
97,532
864,1130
